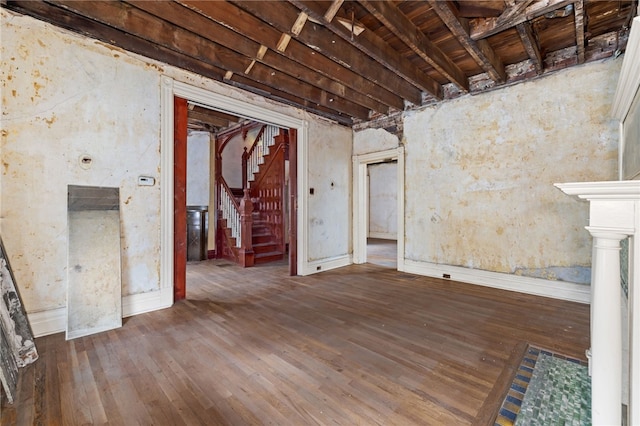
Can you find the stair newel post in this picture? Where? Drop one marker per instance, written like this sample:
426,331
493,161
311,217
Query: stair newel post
245,159
246,223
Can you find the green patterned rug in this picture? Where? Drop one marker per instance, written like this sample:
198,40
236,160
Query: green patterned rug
548,389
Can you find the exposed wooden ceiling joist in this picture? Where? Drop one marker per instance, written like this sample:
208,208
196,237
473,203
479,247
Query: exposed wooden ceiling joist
487,8
333,10
485,27
138,22
404,53
530,44
578,8
373,46
212,117
329,54
256,52
480,50
404,29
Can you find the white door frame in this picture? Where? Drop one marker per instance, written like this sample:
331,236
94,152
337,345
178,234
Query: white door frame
361,202
171,88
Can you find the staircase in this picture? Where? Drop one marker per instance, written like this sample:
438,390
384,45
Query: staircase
251,223
265,179
265,246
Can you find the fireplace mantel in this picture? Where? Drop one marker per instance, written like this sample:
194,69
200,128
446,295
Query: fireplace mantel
614,214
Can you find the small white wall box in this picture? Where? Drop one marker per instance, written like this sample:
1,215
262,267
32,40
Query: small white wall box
146,181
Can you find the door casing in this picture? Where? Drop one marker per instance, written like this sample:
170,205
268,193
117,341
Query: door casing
171,89
361,202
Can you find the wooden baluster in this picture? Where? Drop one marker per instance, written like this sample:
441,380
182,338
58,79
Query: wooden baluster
246,222
245,159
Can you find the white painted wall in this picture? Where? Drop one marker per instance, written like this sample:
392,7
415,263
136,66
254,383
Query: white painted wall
631,154
383,200
480,173
90,98
232,157
198,170
373,140
329,174
85,99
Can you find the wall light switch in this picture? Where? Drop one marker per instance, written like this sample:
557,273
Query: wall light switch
146,181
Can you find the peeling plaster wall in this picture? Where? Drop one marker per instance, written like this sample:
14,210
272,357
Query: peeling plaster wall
373,140
383,200
329,175
480,173
198,173
63,96
631,154
59,103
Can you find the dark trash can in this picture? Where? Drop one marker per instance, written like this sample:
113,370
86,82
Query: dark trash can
197,230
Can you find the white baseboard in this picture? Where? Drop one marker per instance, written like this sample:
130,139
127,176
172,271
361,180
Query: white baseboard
384,235
135,304
326,264
536,286
54,321
48,322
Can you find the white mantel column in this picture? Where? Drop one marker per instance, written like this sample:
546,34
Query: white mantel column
606,328
614,214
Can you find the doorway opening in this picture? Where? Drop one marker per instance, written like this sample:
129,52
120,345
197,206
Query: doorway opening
176,99
378,229
382,224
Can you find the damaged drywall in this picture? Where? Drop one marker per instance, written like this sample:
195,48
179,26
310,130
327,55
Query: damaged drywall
480,172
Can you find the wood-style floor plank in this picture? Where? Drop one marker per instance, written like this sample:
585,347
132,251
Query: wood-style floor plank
358,345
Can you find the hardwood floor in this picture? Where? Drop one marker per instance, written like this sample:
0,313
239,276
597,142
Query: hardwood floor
382,252
359,345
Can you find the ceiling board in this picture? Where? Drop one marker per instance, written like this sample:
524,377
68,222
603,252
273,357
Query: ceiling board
408,52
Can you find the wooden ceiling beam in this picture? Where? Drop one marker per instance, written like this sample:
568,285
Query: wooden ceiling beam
244,83
392,18
213,117
531,45
79,24
134,21
375,47
333,10
214,113
231,16
481,51
109,35
516,7
206,118
485,27
578,8
198,24
337,58
475,8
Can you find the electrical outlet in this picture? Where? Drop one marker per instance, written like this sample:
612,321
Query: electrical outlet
146,181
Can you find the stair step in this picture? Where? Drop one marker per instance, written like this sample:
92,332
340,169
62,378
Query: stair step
268,257
265,248
261,238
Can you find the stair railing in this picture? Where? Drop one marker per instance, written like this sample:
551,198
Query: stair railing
254,156
238,216
230,210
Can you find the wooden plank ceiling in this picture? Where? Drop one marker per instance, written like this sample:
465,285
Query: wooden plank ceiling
352,61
